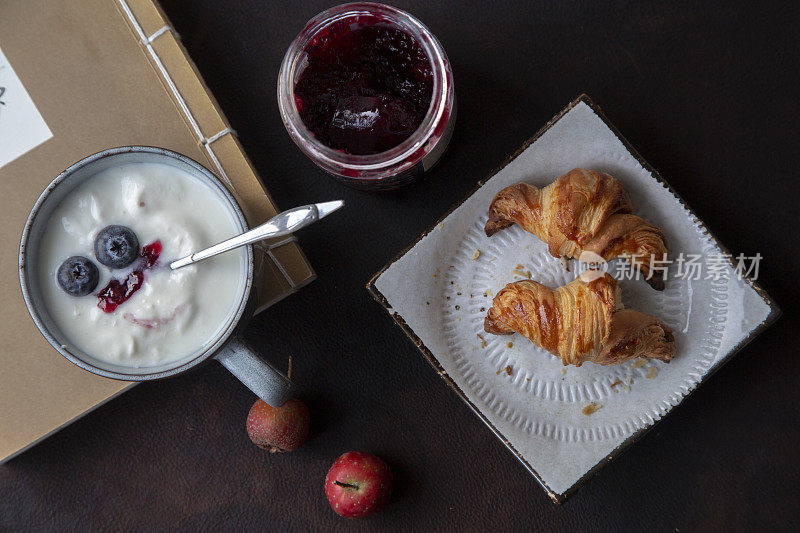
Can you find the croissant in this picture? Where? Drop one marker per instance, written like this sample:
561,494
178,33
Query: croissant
581,321
583,210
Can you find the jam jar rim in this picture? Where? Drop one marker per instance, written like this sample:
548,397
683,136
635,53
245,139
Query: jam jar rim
383,161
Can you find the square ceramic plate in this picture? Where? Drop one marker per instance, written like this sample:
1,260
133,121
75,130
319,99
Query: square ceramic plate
438,291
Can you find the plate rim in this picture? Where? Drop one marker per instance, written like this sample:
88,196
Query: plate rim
559,498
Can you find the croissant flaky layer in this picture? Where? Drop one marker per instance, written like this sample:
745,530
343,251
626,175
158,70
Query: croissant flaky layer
581,321
582,210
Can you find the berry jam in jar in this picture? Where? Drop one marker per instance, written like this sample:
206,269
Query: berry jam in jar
366,91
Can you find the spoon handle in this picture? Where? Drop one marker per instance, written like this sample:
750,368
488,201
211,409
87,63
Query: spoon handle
282,224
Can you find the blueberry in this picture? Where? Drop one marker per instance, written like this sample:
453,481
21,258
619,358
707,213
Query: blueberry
78,276
116,246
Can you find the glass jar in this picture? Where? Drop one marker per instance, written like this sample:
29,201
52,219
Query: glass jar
408,160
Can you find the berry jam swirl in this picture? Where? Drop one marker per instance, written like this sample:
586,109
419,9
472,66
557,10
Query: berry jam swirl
367,86
117,292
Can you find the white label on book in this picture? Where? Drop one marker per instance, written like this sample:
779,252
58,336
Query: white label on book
22,127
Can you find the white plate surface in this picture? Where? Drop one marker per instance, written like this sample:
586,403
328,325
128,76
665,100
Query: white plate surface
439,291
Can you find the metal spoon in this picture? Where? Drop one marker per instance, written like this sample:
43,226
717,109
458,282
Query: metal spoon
283,224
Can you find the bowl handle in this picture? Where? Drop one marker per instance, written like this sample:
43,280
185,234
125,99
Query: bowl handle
262,378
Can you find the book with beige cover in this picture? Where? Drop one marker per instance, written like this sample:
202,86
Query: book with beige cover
76,78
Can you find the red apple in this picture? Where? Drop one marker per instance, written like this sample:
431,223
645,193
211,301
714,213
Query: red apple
278,429
358,485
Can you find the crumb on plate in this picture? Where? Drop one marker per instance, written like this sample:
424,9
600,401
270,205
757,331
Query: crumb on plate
507,370
590,408
652,372
476,254
483,341
639,362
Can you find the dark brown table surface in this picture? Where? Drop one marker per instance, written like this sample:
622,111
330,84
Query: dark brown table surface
706,91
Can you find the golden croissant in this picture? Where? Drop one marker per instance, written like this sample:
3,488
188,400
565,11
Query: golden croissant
583,210
581,321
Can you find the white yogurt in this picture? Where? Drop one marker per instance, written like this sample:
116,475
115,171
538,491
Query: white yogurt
174,312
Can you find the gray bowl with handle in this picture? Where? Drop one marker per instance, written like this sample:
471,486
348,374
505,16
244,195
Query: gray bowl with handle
227,347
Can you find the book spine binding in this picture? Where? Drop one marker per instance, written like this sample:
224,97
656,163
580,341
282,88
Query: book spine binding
278,262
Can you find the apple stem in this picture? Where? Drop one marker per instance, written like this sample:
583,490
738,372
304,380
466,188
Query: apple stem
348,485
